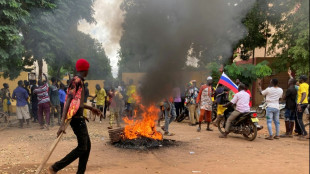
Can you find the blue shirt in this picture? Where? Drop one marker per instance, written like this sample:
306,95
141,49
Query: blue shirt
21,96
54,95
62,96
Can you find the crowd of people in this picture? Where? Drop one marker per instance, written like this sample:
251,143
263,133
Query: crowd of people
44,102
47,103
202,102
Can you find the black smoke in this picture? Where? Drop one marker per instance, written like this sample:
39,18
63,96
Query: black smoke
158,35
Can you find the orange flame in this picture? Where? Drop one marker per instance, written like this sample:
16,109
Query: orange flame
146,127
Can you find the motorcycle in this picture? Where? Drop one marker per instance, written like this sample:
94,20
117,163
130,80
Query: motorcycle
261,110
214,112
245,124
183,115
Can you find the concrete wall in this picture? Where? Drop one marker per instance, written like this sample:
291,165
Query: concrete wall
282,78
12,85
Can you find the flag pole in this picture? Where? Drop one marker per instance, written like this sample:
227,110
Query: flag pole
218,81
217,85
51,150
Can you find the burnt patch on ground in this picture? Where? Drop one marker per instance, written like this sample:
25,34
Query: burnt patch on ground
144,143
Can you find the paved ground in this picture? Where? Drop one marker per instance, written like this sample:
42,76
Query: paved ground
21,151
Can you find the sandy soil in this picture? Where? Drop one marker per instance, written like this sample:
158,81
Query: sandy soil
22,150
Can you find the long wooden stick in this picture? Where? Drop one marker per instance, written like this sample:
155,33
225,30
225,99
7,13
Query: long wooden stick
51,150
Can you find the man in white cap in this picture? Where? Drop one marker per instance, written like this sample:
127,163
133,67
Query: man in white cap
205,100
191,97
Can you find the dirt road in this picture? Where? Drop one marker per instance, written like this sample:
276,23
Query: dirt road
21,151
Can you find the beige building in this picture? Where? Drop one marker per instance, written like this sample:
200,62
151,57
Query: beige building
261,54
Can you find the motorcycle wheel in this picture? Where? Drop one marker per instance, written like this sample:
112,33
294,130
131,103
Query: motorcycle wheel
214,115
307,126
282,113
262,115
221,125
253,133
259,110
181,117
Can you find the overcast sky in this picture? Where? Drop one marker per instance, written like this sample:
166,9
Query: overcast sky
108,28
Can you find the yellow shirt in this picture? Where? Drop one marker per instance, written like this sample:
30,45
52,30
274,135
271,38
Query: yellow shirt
131,91
304,87
101,94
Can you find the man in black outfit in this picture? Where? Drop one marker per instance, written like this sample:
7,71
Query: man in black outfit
75,98
290,108
34,103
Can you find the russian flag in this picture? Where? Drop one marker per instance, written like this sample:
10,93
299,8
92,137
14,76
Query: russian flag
225,80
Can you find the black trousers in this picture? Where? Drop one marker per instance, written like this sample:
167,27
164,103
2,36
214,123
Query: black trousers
178,106
81,151
100,107
61,108
299,124
34,111
106,107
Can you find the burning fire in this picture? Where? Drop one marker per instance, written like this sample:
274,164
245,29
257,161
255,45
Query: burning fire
145,127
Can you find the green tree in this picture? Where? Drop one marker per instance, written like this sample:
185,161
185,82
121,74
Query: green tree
258,31
291,22
50,34
54,37
13,15
215,73
248,73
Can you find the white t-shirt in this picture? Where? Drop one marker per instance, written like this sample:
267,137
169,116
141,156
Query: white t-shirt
272,96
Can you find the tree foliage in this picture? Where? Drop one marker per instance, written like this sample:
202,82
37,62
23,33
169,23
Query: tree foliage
215,73
248,73
258,31
291,22
37,30
13,15
54,37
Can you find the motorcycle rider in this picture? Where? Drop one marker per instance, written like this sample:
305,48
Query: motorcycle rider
241,100
221,98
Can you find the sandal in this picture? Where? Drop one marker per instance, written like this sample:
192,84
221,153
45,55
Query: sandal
269,138
198,129
209,129
169,134
163,128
